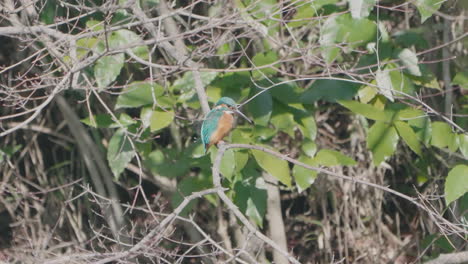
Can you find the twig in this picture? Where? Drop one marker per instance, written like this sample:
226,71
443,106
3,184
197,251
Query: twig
235,209
435,215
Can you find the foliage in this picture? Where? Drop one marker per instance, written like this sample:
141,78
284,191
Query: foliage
353,64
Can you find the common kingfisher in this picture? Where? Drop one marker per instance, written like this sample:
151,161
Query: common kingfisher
219,122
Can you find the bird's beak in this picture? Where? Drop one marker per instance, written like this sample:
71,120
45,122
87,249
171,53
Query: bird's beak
241,114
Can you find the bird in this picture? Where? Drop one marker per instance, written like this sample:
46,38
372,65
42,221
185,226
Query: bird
219,122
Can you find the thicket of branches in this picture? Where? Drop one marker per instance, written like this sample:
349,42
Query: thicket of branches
358,152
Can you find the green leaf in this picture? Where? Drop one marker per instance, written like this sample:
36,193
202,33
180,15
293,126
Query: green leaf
422,126
187,83
330,91
304,177
382,140
107,69
408,135
278,168
400,82
234,85
287,93
260,108
185,188
367,93
263,133
442,136
124,38
243,136
138,94
261,59
241,158
228,162
125,120
463,140
461,78
283,120
98,121
427,7
303,15
95,25
145,116
307,125
119,152
161,119
366,110
361,8
456,183
427,78
86,45
168,163
251,201
345,29
410,61
384,83
309,147
328,157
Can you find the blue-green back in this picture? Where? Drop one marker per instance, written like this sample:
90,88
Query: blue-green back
210,124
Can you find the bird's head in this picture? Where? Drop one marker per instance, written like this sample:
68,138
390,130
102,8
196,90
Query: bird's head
229,103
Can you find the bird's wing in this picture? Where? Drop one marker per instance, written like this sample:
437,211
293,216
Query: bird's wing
209,125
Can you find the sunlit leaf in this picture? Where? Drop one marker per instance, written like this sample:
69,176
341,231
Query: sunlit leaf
228,162
400,82
367,93
161,119
145,116
304,177
278,168
241,158
126,120
307,125
410,61
345,29
427,7
119,153
442,136
361,8
366,110
263,133
456,183
107,69
309,147
283,120
123,38
385,84
187,83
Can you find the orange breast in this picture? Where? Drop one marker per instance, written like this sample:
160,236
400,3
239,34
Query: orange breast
224,127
